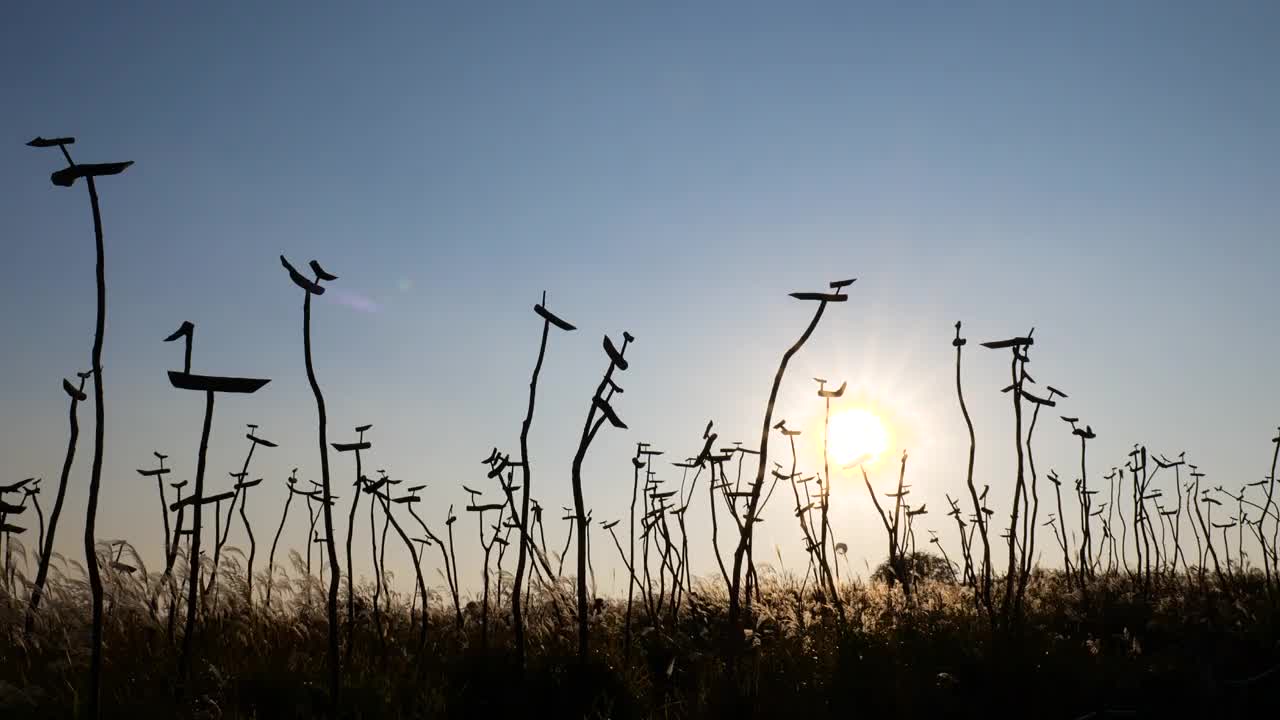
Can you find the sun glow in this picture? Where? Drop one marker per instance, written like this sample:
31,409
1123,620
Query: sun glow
856,435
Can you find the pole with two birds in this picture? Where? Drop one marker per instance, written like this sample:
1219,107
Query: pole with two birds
311,288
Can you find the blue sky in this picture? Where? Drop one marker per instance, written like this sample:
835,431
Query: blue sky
1105,172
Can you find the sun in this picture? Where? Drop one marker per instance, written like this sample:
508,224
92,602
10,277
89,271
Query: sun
856,436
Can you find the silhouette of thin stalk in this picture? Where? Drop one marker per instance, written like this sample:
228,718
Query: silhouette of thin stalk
385,497
749,520
356,447
884,520
517,611
253,550
967,574
444,553
1137,511
1204,528
1086,552
193,555
382,564
1066,551
209,385
599,413
1030,520
66,178
95,472
630,558
284,515
453,555
159,474
480,509
1124,525
1271,557
980,519
351,525
313,517
314,288
1177,526
830,578
1017,370
46,551
240,488
34,495
377,568
802,511
1111,507
171,558
718,480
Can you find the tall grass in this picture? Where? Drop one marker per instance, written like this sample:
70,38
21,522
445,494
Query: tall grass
1115,648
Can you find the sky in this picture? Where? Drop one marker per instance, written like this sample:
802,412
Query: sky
1107,173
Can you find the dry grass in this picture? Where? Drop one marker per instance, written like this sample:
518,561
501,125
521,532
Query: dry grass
1112,647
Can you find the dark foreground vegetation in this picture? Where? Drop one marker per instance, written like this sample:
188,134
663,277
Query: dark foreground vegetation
1173,651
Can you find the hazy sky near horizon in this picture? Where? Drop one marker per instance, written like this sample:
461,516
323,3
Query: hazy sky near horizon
1107,172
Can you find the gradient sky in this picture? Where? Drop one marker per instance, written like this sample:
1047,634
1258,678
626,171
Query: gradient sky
1106,172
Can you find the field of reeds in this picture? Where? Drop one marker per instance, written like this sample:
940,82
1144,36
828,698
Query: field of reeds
1165,601
1165,651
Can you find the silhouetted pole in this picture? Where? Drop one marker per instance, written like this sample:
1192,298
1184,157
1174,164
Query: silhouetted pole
826,395
314,288
46,551
444,553
749,521
209,385
1270,504
193,554
1086,545
517,613
66,178
284,515
1017,370
386,499
983,588
1029,521
600,412
355,447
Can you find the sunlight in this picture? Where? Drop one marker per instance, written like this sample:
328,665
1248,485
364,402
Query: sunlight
856,435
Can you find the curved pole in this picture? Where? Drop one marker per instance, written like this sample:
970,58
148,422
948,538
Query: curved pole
351,525
335,674
95,472
46,553
271,558
745,538
517,612
253,549
984,590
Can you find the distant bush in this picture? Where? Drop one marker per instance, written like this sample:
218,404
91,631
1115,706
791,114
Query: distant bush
920,566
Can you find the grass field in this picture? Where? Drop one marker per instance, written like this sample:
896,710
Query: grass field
1182,648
